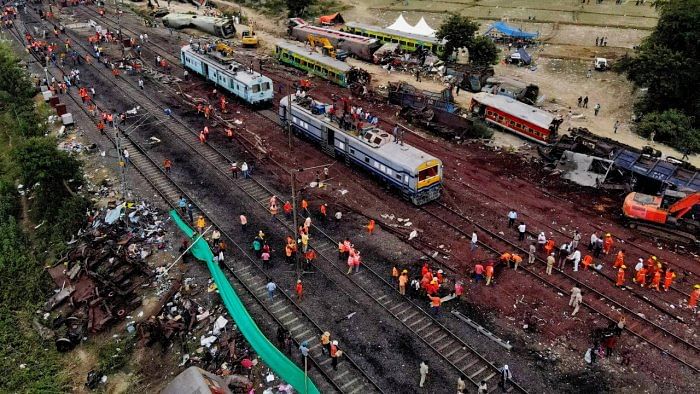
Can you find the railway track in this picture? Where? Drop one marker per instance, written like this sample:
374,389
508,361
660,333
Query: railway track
662,339
447,345
249,280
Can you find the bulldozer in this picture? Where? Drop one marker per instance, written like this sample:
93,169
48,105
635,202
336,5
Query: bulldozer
248,37
674,215
326,47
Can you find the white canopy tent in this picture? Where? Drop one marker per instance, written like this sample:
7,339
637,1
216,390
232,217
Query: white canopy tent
401,25
423,28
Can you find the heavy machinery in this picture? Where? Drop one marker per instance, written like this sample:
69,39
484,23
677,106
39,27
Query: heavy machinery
224,48
673,215
326,47
248,38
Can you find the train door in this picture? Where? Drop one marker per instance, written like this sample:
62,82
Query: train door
205,69
328,140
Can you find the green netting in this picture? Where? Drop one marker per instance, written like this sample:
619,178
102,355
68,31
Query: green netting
276,360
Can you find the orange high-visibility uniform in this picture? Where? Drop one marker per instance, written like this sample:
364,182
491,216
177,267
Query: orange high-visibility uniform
288,208
656,281
505,257
668,279
619,260
517,259
489,274
229,133
435,301
549,246
223,104
620,277
642,277
202,137
304,204
370,226
424,270
587,261
607,244
693,300
299,289
323,210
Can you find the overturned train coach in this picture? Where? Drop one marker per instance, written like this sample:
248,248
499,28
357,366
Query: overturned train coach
417,175
220,27
248,85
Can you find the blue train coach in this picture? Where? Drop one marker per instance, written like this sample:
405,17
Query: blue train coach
416,174
250,86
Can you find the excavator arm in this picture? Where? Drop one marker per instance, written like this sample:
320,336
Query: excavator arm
682,207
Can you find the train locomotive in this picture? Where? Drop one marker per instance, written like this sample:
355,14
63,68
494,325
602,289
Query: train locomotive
246,84
415,174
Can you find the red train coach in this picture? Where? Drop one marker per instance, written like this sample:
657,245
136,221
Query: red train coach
522,119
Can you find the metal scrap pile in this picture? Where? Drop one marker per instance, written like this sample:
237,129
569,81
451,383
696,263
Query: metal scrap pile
99,277
207,338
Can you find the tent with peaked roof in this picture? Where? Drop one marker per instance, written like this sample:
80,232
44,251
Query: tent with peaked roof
401,25
423,28
331,19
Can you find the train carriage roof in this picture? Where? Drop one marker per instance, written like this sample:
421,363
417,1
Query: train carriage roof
405,155
307,52
336,34
514,107
243,75
412,36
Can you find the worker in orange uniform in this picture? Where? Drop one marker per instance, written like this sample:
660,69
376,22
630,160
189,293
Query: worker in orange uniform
101,127
370,227
621,276
403,280
433,287
694,295
424,270
223,103
299,289
229,134
668,279
202,137
619,259
489,273
516,261
287,209
505,257
435,302
324,211
607,243
656,281
395,274
587,261
549,247
641,278
167,164
304,205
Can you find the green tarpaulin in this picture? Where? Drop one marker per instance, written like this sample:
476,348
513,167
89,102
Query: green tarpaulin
276,360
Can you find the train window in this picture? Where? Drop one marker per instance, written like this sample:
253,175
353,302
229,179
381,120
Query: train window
388,171
405,179
427,173
366,159
398,176
376,165
266,86
394,40
512,123
382,167
341,145
352,151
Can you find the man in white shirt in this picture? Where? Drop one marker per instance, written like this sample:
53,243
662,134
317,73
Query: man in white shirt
521,231
512,216
475,241
576,258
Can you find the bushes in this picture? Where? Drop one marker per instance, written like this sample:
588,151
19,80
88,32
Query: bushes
672,127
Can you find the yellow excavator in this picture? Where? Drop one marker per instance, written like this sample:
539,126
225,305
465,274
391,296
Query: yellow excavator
248,37
224,48
326,47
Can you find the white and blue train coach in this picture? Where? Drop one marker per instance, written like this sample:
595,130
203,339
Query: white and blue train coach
417,175
250,86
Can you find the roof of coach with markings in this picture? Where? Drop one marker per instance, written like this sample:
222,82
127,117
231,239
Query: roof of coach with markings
313,55
514,107
417,37
336,33
243,75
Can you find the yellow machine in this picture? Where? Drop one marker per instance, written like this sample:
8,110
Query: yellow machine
323,43
224,48
248,37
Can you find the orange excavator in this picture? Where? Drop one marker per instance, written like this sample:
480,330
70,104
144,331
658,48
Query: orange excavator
673,215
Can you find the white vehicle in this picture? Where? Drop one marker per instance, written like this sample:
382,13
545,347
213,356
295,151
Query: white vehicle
601,64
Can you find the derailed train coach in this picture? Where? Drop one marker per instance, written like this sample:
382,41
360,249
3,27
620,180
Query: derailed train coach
358,46
220,27
414,173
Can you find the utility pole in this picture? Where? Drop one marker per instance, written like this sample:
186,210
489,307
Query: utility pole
299,269
291,119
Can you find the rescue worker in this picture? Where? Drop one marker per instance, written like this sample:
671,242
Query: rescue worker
200,224
550,263
694,295
575,299
423,373
403,280
395,274
489,273
506,258
587,261
229,134
531,254
549,246
607,244
101,127
202,137
656,281
619,259
244,222
541,240
323,210
668,279
287,209
299,290
167,164
621,276
641,277
435,302
305,205
326,343
516,261
335,354
370,227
